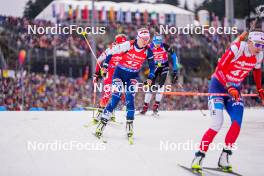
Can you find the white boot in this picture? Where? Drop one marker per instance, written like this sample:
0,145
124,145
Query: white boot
224,162
198,160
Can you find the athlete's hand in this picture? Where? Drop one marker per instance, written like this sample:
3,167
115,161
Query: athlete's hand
104,70
174,77
234,93
261,93
95,78
148,82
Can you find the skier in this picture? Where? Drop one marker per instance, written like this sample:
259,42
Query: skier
120,38
135,52
160,51
232,69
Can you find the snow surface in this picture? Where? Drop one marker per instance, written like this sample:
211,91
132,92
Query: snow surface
144,158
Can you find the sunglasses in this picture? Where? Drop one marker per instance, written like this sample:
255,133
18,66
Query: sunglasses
258,45
144,38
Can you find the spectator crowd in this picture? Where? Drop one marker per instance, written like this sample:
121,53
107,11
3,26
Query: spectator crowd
49,92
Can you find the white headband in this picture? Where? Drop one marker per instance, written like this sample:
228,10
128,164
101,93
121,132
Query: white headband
256,36
144,33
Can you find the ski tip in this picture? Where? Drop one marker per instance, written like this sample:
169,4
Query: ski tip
100,138
194,172
220,170
84,33
130,140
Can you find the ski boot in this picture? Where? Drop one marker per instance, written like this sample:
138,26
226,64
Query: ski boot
144,109
97,118
223,162
100,127
113,118
197,162
155,109
129,129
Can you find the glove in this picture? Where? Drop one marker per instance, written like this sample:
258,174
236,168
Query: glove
95,78
104,70
148,82
174,77
234,93
261,93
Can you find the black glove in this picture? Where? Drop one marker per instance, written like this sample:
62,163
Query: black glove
104,69
148,82
95,78
174,77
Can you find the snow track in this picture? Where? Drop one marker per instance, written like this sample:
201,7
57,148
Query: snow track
117,157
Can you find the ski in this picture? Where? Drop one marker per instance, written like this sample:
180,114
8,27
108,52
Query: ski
91,108
155,114
92,123
131,140
199,173
101,138
221,170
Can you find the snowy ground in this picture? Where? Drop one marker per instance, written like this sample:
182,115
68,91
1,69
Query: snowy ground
19,131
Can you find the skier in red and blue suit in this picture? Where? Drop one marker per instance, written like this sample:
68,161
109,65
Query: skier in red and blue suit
233,67
135,52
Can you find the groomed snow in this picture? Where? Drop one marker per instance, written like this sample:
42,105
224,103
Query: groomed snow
20,130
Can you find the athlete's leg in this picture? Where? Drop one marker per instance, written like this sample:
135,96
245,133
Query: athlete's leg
115,98
235,111
163,76
216,106
130,95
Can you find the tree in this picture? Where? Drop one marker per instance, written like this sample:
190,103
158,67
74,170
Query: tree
242,7
186,5
32,9
172,2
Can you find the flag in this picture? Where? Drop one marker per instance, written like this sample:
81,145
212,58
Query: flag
119,17
112,14
172,19
128,16
162,18
70,13
145,17
53,10
95,14
76,12
103,14
61,11
85,14
137,16
153,17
